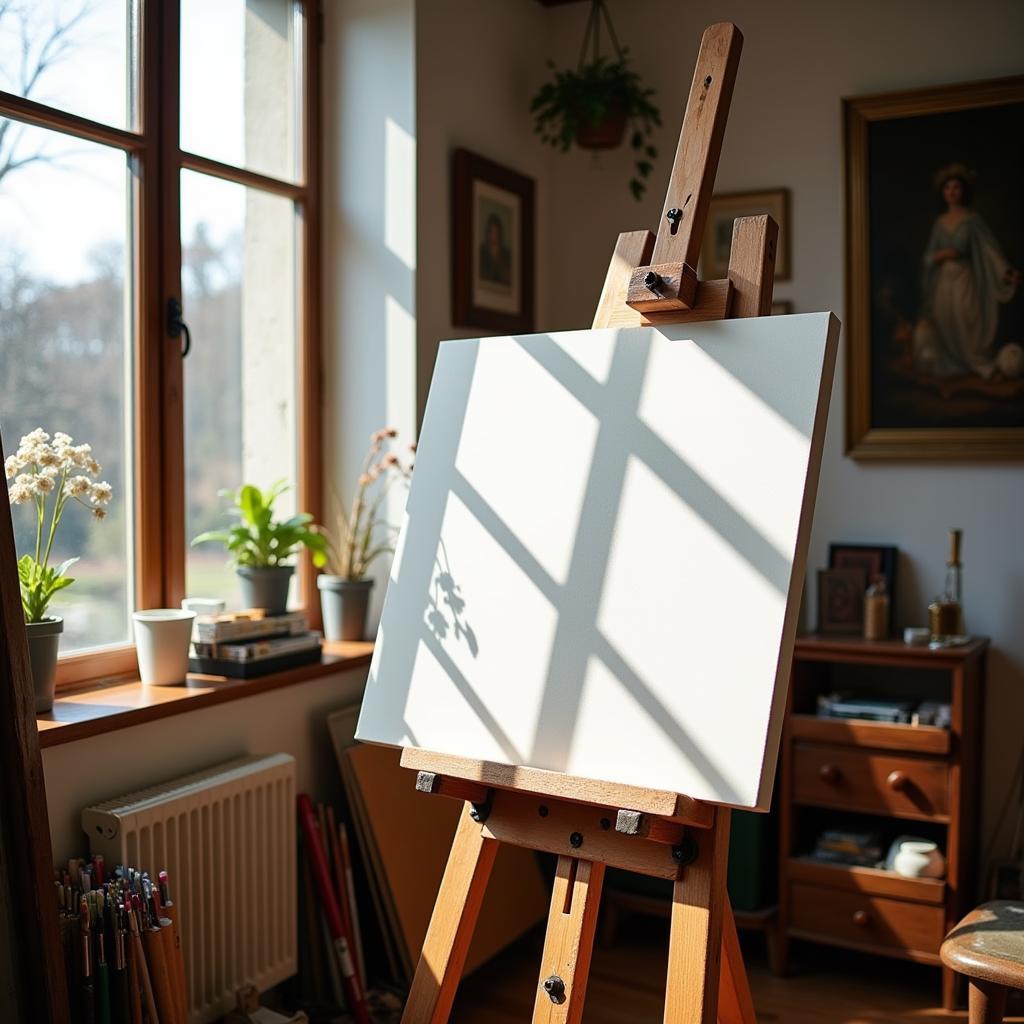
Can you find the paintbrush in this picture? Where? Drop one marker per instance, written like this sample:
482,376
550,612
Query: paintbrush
88,999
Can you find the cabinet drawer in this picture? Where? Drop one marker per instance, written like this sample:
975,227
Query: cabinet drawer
873,782
868,921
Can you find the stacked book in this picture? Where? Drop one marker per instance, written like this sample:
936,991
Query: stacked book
837,846
248,644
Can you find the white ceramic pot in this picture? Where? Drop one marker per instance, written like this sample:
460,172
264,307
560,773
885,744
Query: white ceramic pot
912,857
162,636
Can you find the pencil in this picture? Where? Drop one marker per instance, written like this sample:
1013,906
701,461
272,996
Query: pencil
170,910
139,958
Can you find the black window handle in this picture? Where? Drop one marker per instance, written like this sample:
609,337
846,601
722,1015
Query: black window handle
176,326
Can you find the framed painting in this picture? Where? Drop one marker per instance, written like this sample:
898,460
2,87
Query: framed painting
935,243
723,210
492,246
841,601
872,560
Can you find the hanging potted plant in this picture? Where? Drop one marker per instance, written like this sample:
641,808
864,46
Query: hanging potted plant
260,546
594,105
360,538
46,476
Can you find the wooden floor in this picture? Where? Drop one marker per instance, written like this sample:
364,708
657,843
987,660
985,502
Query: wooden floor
627,981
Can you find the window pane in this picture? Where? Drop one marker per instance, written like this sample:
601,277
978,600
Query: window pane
65,353
239,64
238,275
70,54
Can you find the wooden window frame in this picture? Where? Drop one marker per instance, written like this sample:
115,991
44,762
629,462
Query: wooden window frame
156,161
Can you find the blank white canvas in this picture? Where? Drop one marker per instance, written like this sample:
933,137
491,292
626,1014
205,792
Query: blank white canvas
603,552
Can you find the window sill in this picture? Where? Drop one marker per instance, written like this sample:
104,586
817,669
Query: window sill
117,704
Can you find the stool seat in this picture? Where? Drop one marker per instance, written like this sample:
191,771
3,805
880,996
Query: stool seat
988,944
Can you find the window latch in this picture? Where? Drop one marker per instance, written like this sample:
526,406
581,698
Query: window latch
176,326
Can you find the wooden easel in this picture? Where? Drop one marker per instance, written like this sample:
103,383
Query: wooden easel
589,824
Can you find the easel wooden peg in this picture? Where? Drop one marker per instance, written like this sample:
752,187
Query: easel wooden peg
589,824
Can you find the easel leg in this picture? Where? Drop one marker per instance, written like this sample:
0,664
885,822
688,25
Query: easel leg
735,1004
569,942
695,942
451,925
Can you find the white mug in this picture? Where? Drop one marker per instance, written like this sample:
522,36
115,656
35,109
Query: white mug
162,636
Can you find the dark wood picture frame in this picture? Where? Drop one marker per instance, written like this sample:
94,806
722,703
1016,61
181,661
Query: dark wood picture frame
873,560
865,439
841,601
467,311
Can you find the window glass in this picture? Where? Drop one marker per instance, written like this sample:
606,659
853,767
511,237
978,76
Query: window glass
65,353
238,277
239,64
74,55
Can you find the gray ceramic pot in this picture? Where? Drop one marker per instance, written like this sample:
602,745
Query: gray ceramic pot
266,587
43,646
344,603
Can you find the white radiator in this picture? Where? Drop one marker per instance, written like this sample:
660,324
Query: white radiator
227,836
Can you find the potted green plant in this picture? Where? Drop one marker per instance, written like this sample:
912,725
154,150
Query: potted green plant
360,538
261,546
594,105
46,475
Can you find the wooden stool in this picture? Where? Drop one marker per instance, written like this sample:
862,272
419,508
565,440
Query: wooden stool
987,947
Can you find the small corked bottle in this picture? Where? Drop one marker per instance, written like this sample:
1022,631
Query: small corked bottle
876,610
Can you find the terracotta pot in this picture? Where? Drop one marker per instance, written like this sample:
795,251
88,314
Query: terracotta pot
606,134
43,648
344,604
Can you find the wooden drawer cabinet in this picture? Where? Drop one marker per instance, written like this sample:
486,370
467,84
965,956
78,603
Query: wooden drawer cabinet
887,779
914,930
872,782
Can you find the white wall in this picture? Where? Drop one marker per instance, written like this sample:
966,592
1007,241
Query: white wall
369,238
477,64
799,58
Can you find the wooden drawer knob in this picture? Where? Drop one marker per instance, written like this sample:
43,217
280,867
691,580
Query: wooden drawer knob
897,780
861,918
829,773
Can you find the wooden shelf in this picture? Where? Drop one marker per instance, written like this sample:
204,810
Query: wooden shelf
853,650
920,739
120,703
872,881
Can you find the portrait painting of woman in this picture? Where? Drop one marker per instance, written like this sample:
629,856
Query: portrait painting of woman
966,278
935,304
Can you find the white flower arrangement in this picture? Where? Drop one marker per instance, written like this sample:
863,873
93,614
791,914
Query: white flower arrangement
41,468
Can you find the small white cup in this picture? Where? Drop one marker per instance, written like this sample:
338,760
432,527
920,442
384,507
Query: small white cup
162,636
913,857
203,605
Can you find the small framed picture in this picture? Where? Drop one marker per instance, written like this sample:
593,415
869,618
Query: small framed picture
841,600
872,560
492,246
714,255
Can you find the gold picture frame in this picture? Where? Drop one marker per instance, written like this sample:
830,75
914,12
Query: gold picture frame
723,210
898,404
